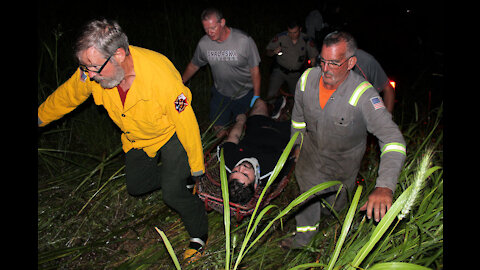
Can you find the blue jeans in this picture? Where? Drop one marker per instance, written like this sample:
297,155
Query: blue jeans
231,107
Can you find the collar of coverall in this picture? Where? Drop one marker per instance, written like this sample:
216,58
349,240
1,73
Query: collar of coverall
255,165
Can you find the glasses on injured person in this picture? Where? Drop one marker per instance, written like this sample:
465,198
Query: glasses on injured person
84,68
331,64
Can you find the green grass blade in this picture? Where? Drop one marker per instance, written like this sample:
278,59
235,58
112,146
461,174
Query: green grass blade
44,150
226,208
346,226
250,233
99,167
307,265
300,199
397,265
169,248
276,171
100,189
382,227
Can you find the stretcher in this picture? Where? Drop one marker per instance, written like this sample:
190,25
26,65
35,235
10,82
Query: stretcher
210,192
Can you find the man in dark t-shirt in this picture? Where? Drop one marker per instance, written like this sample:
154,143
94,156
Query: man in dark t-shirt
370,69
251,160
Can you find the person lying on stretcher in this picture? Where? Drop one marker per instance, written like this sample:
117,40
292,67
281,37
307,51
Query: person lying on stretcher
249,161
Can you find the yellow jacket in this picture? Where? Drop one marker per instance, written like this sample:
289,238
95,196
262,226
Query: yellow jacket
157,106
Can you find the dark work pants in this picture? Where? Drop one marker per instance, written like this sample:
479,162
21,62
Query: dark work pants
168,170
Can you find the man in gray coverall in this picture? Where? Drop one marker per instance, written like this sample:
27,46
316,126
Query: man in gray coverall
335,135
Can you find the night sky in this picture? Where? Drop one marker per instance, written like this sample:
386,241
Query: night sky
392,31
406,37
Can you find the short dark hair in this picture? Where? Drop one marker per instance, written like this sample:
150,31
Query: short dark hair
239,193
338,36
292,24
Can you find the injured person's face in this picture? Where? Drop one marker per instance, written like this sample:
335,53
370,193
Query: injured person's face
241,183
243,173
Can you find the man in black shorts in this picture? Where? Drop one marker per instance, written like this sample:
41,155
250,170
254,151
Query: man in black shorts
251,160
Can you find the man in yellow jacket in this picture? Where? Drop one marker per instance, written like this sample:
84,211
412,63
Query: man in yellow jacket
144,95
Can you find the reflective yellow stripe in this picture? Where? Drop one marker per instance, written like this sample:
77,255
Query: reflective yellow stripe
307,229
298,125
394,147
303,79
358,92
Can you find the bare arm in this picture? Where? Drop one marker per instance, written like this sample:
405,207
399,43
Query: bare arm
389,97
256,78
189,72
237,129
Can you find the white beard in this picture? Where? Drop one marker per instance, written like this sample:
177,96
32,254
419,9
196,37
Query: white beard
111,82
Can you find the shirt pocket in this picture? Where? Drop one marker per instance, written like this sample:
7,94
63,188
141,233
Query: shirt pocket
341,122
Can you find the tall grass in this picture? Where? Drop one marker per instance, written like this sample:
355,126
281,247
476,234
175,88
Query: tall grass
79,218
87,220
417,238
398,211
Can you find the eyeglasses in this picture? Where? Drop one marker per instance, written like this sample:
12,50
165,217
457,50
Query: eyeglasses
84,68
332,64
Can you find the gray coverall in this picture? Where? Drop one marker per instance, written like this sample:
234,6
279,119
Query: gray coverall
335,141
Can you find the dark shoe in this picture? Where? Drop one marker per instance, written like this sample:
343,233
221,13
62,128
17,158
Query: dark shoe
290,243
190,183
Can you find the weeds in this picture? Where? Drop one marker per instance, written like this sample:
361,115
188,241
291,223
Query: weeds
86,219
398,211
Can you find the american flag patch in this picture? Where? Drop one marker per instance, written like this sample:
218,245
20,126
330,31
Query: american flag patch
83,76
377,103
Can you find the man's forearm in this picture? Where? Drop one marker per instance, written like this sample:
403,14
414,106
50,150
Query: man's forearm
189,72
237,129
256,79
389,98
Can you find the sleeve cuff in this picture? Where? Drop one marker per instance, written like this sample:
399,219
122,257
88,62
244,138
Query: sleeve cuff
198,173
391,186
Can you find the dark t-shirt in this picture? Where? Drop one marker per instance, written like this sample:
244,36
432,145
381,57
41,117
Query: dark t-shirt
369,68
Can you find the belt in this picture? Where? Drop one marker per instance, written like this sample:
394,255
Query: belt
286,70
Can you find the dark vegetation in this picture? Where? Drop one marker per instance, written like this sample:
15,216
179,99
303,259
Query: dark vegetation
86,219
